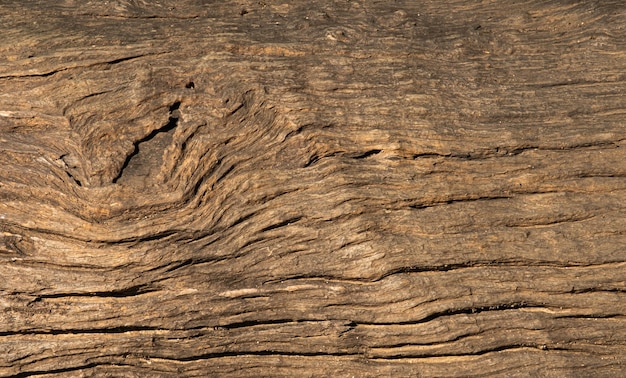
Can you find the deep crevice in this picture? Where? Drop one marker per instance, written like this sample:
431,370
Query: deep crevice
120,60
263,353
480,264
53,371
312,160
127,292
76,181
171,124
82,331
502,348
242,353
236,109
196,187
419,206
252,323
428,268
460,311
351,326
53,72
367,154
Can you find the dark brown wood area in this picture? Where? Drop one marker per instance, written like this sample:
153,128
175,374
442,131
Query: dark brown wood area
331,188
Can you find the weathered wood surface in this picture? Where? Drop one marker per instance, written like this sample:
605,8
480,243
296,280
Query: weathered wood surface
348,188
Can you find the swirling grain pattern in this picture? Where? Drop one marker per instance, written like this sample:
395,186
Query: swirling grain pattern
344,188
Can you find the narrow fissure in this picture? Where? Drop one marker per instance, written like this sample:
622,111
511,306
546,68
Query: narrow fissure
53,371
281,224
501,348
112,330
76,181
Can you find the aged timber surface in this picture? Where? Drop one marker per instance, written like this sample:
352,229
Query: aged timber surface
329,188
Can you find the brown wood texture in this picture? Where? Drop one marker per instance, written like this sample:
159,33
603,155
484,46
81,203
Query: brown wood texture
332,188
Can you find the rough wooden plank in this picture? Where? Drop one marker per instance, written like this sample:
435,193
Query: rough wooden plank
322,189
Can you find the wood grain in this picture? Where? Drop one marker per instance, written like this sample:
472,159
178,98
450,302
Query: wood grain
342,188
